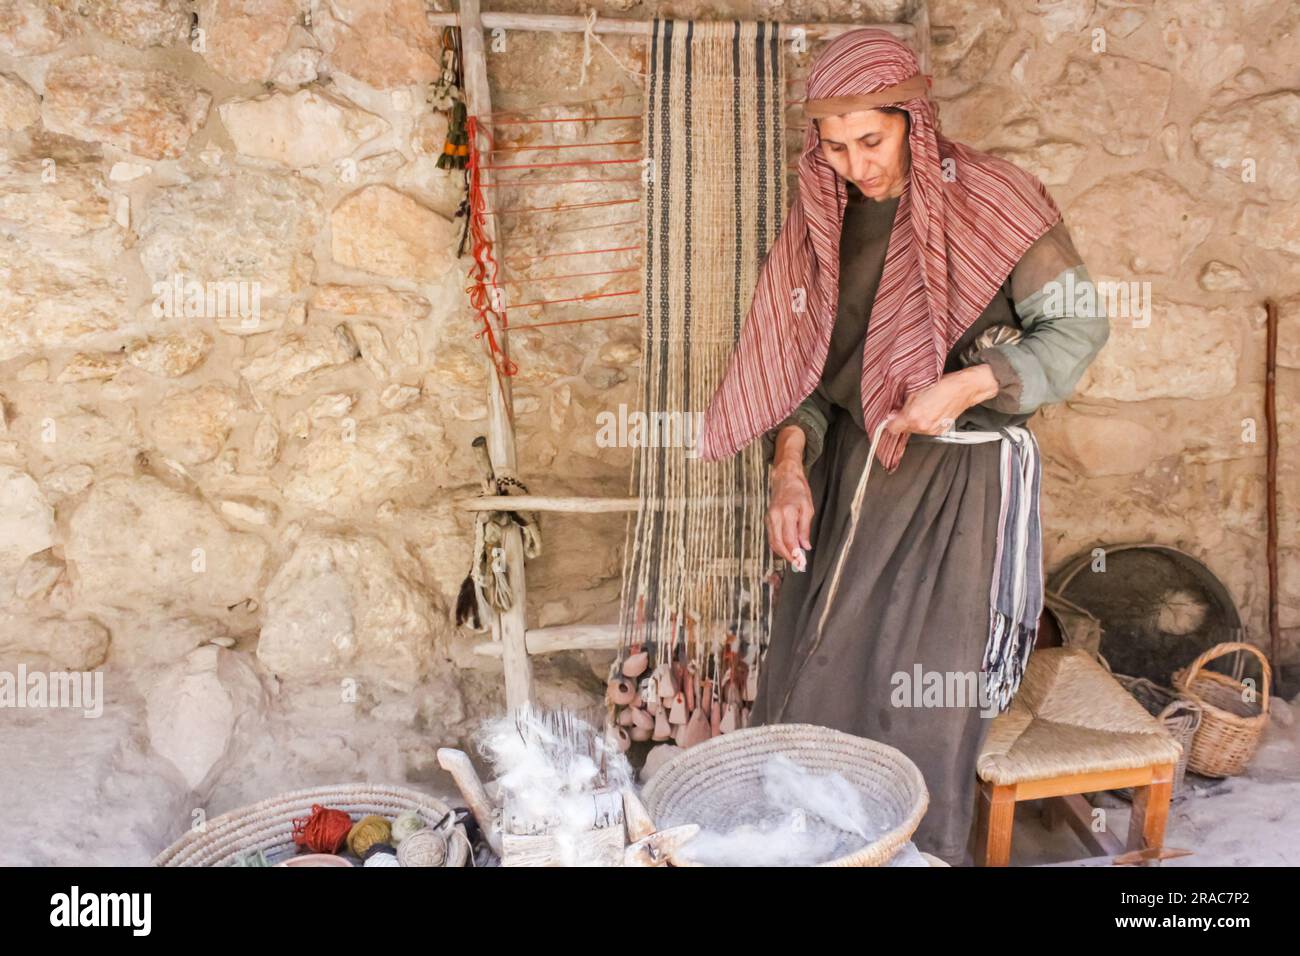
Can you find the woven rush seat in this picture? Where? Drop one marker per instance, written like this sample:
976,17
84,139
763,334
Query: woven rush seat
1071,716
1073,729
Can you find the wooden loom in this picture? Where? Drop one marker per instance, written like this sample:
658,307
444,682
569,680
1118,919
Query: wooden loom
512,639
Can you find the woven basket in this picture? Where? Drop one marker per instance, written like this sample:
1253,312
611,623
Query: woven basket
707,783
1180,714
1230,726
268,825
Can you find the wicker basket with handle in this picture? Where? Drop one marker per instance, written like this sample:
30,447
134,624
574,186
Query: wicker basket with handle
268,825
708,783
1231,721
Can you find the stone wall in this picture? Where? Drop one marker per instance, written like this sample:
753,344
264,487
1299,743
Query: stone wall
1167,132
247,522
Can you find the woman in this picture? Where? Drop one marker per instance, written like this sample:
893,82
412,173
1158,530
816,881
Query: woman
914,297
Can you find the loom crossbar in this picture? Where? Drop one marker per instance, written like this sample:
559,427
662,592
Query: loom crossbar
559,23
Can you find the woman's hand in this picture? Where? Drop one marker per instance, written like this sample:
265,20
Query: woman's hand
790,513
934,409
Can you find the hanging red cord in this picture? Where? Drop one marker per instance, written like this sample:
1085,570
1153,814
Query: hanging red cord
485,290
484,270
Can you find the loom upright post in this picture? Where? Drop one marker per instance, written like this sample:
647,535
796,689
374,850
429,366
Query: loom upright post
508,628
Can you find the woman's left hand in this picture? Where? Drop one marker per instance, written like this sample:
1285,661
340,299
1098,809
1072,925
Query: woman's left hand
934,409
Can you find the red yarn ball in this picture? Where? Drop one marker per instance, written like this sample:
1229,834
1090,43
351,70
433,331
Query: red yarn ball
324,831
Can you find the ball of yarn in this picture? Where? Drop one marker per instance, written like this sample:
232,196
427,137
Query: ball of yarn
381,854
368,831
423,848
406,824
323,831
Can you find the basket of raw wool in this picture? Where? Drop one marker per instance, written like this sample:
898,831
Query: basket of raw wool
347,824
789,795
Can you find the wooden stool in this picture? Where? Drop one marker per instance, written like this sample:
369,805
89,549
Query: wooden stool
1073,729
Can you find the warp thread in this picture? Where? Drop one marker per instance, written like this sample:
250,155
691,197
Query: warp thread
324,831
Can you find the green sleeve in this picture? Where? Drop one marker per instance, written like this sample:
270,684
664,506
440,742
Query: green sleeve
1064,326
812,416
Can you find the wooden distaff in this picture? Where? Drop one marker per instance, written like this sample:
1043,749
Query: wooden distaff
458,764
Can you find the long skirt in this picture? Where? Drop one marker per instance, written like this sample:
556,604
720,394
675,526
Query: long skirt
914,590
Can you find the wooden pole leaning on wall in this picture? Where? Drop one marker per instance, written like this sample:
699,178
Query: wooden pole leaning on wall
1270,465
507,628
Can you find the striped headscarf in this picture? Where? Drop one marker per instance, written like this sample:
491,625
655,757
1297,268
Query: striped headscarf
964,220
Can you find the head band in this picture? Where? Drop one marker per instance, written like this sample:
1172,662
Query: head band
910,88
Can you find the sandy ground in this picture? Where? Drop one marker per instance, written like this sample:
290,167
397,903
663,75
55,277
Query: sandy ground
89,791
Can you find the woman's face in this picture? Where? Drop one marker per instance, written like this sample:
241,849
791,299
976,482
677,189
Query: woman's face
869,148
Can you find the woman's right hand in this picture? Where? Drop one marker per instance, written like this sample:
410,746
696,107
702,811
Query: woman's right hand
790,511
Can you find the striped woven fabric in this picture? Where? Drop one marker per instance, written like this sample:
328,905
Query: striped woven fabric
964,220
696,562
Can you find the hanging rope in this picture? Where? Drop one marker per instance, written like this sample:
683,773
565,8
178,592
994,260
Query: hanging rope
588,35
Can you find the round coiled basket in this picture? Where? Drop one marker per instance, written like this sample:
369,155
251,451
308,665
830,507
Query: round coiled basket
707,784
268,825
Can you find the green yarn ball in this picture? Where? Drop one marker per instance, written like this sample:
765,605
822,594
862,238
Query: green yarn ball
406,824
